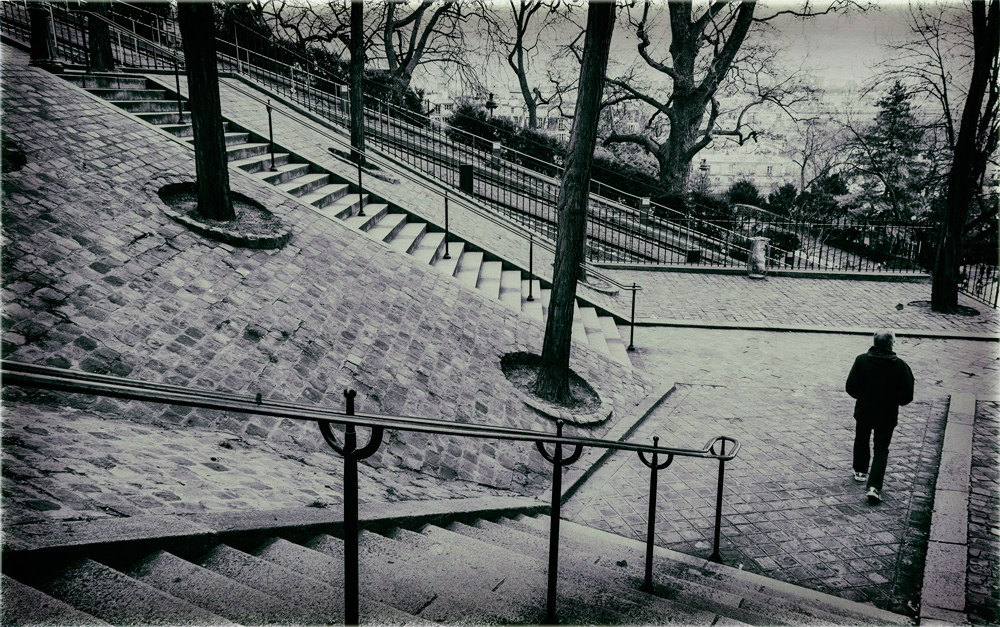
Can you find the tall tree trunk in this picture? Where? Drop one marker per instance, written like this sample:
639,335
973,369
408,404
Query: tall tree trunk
553,373
963,180
101,59
357,82
197,23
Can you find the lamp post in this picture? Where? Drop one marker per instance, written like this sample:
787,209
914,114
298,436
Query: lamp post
491,104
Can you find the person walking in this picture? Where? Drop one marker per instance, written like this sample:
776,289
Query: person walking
881,382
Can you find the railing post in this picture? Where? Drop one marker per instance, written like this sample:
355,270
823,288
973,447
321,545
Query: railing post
447,255
177,85
361,190
557,465
531,267
270,132
716,556
351,454
653,466
631,335
351,591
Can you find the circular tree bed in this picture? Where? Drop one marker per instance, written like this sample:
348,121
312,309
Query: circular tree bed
253,227
586,408
961,311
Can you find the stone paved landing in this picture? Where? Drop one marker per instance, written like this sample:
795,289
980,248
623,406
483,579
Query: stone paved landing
792,510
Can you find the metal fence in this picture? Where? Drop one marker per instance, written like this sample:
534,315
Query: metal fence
655,457
622,228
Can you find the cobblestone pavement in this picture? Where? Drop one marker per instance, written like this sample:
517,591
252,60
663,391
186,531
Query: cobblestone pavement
63,463
983,582
791,509
798,301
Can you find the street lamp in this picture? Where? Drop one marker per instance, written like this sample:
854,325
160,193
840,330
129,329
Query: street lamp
491,104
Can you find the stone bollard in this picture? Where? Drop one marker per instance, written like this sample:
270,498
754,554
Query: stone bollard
645,211
495,158
757,261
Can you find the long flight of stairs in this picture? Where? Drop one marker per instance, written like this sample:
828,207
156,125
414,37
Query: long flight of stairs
331,197
488,573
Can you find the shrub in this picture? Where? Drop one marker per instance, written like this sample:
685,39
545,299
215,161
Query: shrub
744,193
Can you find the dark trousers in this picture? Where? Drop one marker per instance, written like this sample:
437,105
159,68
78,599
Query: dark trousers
862,435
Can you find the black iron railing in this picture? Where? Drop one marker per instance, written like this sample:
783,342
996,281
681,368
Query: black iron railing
447,198
159,57
56,379
622,227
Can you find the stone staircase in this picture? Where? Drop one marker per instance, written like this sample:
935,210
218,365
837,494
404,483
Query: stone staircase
328,195
489,572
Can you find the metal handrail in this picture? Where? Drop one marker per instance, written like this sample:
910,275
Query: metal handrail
178,61
453,195
61,379
64,380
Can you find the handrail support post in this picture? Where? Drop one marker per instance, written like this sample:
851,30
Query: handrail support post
716,555
631,335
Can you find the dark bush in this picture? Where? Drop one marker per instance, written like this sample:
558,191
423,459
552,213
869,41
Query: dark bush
744,193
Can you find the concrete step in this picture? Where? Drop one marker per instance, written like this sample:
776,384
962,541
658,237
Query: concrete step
326,195
490,273
284,173
388,227
209,590
501,589
510,289
116,94
149,106
106,81
23,605
345,206
585,596
761,595
592,327
408,238
305,184
311,601
532,307
605,568
431,247
373,214
383,574
468,268
614,340
329,569
160,118
579,331
242,152
121,600
455,252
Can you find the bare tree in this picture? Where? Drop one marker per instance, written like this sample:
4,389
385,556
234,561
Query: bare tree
357,46
521,32
432,33
553,372
709,44
99,38
818,150
975,145
197,24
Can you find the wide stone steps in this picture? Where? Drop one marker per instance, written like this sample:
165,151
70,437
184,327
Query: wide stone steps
488,572
320,190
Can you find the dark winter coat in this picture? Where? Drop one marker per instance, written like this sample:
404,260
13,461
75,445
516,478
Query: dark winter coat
880,382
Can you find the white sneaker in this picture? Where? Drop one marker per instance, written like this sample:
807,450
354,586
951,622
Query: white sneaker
874,496
860,476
